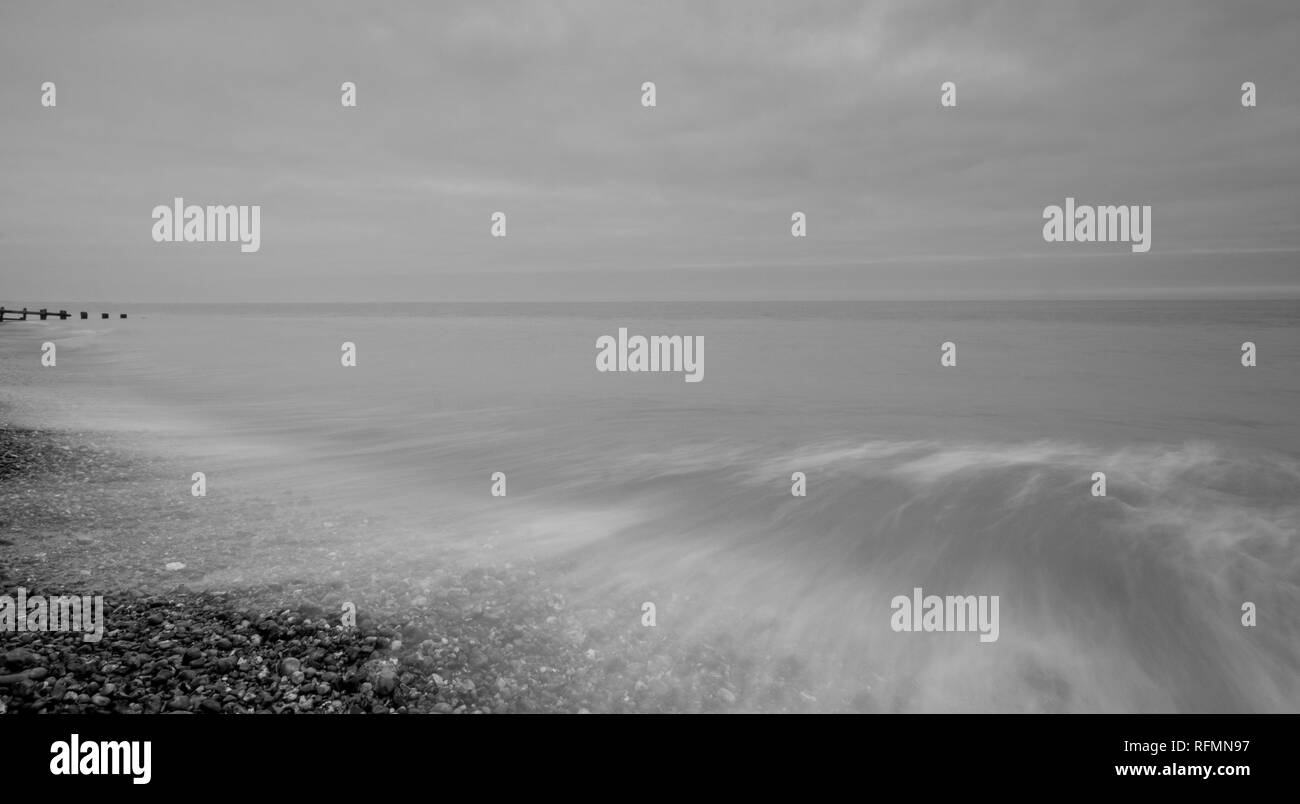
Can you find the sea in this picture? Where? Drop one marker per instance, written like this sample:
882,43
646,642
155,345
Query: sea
976,478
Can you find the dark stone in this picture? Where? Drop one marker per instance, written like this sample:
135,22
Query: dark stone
20,658
386,683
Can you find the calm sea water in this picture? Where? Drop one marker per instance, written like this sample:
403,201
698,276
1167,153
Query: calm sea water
973,479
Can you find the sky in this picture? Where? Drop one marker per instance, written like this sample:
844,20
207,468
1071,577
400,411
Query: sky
534,109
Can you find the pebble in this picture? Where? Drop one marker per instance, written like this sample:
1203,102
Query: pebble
20,657
386,683
191,651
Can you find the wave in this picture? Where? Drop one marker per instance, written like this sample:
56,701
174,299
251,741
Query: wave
1128,602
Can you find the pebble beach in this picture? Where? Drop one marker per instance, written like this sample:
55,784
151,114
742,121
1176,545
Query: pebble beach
201,616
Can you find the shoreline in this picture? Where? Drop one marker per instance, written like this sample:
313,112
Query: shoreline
249,617
158,618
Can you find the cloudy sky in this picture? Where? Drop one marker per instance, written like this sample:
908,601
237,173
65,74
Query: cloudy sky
534,109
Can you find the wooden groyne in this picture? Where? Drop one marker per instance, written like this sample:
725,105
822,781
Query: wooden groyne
42,314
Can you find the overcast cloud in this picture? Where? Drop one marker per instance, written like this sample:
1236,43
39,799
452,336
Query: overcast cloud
534,109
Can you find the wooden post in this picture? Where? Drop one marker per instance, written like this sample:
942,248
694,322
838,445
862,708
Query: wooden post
44,313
